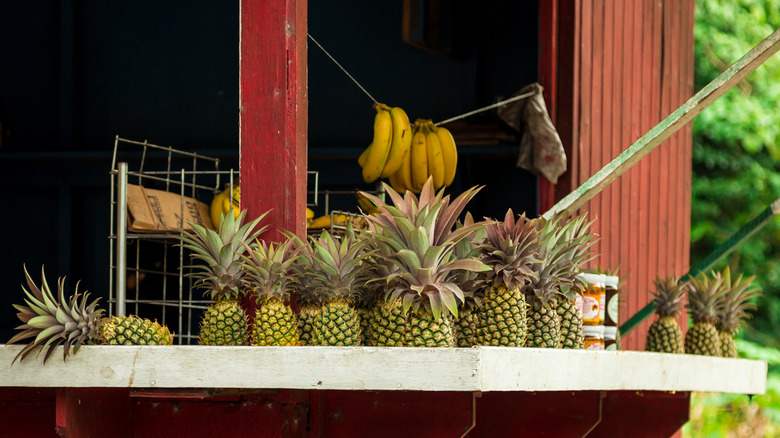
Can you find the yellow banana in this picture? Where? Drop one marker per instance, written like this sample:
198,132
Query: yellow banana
402,140
395,183
450,153
363,157
435,157
405,172
366,206
216,207
309,214
380,147
419,157
320,222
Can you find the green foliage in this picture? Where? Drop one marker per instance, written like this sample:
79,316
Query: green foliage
738,415
736,150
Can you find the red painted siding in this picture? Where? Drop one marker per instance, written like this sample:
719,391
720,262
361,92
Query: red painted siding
632,65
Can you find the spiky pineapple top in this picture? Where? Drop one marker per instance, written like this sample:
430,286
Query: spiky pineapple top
574,245
221,252
55,321
471,283
736,300
416,238
669,293
339,266
268,269
704,297
510,248
559,264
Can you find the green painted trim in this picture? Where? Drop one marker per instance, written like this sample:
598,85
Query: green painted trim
668,126
732,243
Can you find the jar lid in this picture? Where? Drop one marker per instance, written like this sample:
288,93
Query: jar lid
590,278
593,330
610,332
612,280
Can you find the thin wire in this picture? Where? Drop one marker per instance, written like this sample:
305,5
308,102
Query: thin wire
462,116
341,67
489,107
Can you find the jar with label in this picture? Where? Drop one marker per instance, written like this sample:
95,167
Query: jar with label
594,337
600,286
591,298
610,338
611,287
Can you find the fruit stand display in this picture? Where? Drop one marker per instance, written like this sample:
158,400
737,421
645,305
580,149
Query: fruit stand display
416,311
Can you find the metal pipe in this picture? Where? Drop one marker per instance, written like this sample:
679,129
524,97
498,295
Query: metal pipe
121,241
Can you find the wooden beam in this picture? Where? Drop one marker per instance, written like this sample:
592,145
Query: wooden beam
676,120
273,112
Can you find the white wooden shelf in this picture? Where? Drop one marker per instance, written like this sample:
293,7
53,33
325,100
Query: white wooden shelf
373,368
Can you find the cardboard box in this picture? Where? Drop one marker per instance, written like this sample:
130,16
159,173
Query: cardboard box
157,211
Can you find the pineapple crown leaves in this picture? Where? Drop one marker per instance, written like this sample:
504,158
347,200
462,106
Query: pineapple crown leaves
510,247
737,300
423,279
55,321
221,251
338,264
303,269
705,297
434,211
669,293
471,283
268,268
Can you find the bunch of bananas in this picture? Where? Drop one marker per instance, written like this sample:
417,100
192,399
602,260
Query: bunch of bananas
223,203
408,156
391,143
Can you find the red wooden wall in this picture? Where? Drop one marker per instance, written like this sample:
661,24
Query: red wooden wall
622,66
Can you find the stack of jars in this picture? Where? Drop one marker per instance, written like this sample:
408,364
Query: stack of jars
599,306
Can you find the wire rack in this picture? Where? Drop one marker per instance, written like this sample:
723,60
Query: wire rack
148,271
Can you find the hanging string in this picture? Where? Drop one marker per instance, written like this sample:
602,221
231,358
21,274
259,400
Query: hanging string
342,68
452,119
489,107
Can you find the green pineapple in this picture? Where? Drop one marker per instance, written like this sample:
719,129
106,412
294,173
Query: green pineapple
54,321
224,322
270,277
510,250
472,284
575,246
309,301
554,278
339,271
704,297
664,335
735,303
416,237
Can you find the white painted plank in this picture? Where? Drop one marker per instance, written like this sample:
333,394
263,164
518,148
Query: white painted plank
373,368
359,368
508,369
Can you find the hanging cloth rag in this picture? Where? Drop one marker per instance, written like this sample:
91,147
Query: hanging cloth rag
541,150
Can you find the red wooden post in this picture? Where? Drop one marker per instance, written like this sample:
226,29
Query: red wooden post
274,106
548,55
273,115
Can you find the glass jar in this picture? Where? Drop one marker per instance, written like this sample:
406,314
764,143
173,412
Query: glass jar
612,301
610,338
593,337
591,300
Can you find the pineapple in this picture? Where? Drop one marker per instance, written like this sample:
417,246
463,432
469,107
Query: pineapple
339,269
270,277
472,284
224,322
509,248
554,278
736,302
704,296
308,300
73,322
416,238
664,335
575,242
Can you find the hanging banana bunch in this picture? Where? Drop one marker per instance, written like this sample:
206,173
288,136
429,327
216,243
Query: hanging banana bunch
408,155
